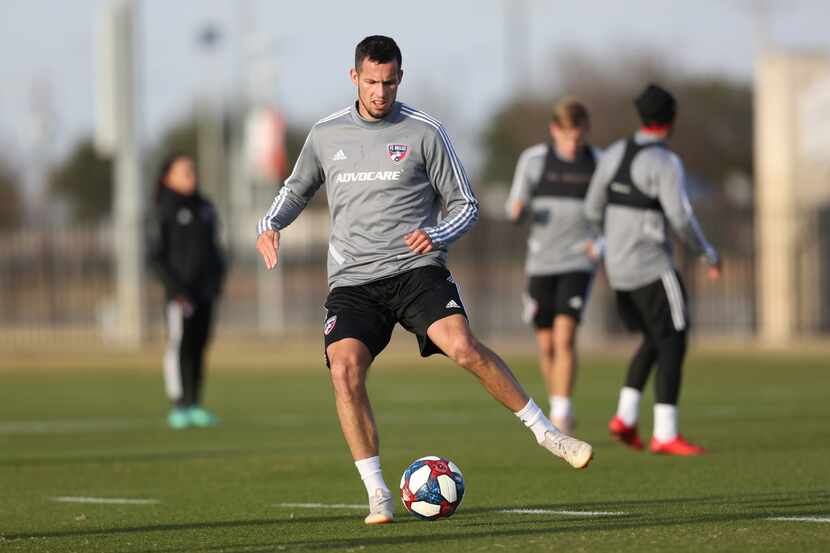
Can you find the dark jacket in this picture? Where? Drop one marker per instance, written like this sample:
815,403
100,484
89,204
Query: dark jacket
183,248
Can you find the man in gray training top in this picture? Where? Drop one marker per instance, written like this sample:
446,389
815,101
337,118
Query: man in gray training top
388,168
638,189
549,186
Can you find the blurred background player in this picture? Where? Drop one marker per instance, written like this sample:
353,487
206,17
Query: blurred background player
549,184
183,251
639,189
388,169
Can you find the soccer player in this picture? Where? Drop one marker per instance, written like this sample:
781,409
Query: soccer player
638,190
388,169
183,251
550,183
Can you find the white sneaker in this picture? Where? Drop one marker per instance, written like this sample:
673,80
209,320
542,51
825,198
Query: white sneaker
576,452
381,508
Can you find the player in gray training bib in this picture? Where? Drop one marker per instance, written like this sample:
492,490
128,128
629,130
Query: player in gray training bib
549,188
638,191
388,170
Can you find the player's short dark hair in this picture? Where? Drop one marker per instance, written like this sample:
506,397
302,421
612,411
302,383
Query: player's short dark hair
379,49
656,105
164,170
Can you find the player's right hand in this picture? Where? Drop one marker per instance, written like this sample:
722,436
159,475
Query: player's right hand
714,272
515,211
268,245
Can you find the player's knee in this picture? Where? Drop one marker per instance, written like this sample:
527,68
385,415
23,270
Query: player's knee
563,341
465,350
564,334
347,376
676,338
547,348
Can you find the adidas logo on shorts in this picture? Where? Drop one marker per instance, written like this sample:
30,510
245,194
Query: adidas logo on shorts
329,325
453,305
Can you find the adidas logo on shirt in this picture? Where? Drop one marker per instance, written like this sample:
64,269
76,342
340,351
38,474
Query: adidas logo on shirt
453,305
339,156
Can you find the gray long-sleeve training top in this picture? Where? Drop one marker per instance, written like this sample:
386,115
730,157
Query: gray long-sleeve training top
384,179
638,246
559,233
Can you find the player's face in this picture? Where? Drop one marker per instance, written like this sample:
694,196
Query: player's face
568,140
377,87
182,176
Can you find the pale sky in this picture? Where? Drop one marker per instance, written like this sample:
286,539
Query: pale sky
455,52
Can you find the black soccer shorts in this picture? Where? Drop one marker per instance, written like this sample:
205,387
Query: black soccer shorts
657,309
560,294
368,312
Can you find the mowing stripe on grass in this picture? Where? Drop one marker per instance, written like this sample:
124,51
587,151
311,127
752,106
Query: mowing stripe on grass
506,511
321,505
105,500
69,426
800,519
563,513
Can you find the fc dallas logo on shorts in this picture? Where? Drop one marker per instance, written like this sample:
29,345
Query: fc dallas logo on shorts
397,152
329,325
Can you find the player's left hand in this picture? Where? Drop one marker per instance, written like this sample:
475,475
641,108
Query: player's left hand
714,272
419,242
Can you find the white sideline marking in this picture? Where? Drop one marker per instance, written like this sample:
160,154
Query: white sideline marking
563,513
322,505
105,500
801,519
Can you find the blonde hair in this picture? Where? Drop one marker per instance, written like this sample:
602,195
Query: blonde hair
570,113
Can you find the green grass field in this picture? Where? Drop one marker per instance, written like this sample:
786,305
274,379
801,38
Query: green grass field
93,433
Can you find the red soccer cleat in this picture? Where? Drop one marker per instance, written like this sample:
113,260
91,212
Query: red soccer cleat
677,446
626,434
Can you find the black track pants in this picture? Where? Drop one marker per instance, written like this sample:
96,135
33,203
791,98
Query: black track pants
188,336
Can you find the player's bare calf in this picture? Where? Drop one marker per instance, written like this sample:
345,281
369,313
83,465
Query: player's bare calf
453,335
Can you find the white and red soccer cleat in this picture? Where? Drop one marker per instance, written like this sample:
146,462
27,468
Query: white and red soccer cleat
625,434
677,446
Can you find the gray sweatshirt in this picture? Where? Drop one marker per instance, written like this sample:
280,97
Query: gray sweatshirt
384,179
559,232
638,246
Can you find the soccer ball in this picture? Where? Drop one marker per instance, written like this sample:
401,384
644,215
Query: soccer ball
432,488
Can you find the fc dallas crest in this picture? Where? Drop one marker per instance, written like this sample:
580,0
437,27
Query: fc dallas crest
397,152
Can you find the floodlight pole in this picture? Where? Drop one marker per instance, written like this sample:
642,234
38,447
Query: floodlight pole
210,131
118,135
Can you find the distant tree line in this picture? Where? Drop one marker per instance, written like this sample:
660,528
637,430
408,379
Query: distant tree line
11,200
83,180
713,134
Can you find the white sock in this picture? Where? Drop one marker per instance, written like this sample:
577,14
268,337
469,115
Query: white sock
665,422
535,419
371,474
560,407
628,409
